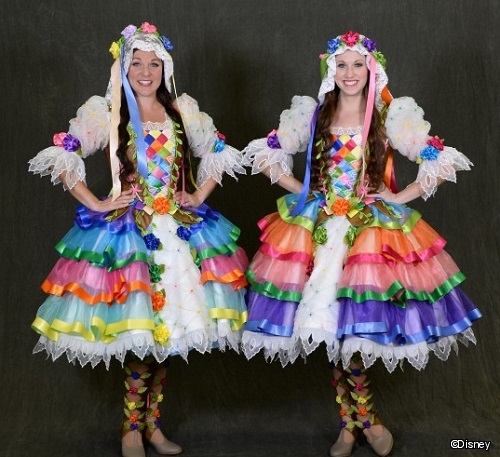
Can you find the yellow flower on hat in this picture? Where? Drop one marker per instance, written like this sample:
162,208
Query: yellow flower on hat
115,50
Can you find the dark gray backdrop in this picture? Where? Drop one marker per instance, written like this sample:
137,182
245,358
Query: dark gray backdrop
243,61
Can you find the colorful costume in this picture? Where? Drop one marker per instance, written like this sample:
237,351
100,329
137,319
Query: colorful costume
154,278
337,267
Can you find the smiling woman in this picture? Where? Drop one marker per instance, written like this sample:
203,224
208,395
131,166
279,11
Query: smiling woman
149,271
344,262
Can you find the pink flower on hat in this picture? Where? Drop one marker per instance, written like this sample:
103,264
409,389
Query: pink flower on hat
146,27
350,38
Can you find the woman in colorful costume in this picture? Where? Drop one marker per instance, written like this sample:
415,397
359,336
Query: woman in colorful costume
150,271
344,261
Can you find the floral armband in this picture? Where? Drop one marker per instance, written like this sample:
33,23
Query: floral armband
219,143
434,146
68,142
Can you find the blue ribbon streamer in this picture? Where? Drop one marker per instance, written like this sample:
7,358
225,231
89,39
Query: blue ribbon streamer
135,119
307,177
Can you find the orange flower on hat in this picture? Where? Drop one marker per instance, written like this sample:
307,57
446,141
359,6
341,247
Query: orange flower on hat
161,205
341,207
158,301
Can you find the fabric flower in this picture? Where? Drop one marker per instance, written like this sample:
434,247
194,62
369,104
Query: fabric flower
133,390
146,27
134,418
219,145
369,44
338,399
161,334
155,272
135,375
367,424
343,412
342,424
167,43
350,38
161,205
71,143
436,142
158,301
341,207
429,153
128,31
356,371
159,398
183,233
333,45
272,140
320,235
134,426
114,49
152,243
359,386
335,382
380,58
363,411
362,400
131,405
58,139
163,381
156,413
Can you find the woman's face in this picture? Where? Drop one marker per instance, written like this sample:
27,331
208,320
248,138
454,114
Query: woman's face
145,73
352,73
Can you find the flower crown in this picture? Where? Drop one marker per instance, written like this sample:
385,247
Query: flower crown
131,30
352,39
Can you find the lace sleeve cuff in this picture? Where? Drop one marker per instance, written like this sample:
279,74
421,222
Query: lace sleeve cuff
55,160
444,166
260,156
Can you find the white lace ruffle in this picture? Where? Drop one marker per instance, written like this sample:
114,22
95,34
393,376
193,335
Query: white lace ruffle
83,351
293,135
54,161
448,162
202,135
408,132
214,165
271,346
392,356
260,156
91,127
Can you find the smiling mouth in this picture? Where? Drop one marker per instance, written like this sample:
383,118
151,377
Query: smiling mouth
350,83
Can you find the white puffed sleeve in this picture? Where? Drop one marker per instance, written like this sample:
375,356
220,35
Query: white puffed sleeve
408,133
216,157
87,133
275,152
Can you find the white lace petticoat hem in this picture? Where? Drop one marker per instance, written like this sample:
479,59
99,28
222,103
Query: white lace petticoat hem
271,346
141,344
416,354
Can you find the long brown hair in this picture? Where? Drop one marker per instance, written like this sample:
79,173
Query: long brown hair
376,159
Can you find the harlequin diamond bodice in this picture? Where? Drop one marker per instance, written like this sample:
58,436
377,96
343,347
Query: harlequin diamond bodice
160,153
346,157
